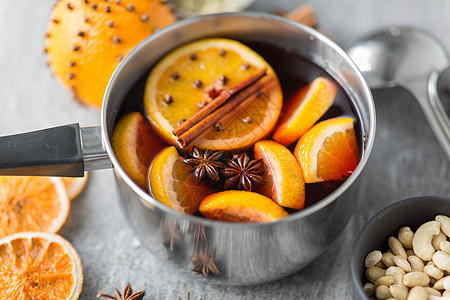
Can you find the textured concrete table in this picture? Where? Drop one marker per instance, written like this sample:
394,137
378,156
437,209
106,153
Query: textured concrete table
406,160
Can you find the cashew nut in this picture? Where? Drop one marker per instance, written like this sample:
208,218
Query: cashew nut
383,280
402,263
445,246
368,289
442,260
372,274
413,279
439,285
445,224
373,258
405,236
431,270
399,291
417,293
436,241
382,292
396,273
387,259
432,291
422,239
446,283
396,247
416,263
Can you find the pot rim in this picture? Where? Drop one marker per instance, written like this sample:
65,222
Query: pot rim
370,137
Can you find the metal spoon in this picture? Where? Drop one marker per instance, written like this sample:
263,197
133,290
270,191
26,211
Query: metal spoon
410,58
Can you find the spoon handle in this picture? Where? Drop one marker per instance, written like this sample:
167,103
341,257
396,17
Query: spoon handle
433,109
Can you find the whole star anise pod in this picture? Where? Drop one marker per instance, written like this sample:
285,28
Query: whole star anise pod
126,295
205,164
243,172
204,262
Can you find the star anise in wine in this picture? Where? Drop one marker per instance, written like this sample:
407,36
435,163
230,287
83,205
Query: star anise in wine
126,295
204,262
205,164
243,172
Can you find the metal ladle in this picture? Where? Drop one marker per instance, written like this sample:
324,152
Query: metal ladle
410,58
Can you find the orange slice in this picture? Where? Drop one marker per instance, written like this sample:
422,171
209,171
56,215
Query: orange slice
75,185
328,151
304,109
171,182
38,265
32,204
86,40
190,76
135,144
241,206
285,184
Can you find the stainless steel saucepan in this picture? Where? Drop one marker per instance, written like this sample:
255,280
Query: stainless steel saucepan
243,253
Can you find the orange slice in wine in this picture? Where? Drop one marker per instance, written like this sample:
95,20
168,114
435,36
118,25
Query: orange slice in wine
241,206
171,182
192,75
135,144
328,151
38,265
285,183
304,109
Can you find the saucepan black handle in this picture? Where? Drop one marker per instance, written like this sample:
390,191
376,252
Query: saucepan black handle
66,150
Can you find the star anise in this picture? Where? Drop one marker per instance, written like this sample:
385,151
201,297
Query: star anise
126,295
243,172
204,262
205,164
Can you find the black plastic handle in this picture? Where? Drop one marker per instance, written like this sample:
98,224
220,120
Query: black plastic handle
49,152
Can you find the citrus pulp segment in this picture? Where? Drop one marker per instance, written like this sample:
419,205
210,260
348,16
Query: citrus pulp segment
171,182
241,206
38,265
286,185
135,144
304,109
328,151
32,204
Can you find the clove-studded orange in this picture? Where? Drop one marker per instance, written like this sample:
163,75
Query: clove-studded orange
87,39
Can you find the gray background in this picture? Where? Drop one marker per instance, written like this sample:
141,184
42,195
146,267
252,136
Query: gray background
406,160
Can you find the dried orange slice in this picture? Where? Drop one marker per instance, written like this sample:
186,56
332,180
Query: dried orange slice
170,181
328,151
38,265
135,144
285,180
304,109
187,78
32,204
86,40
241,206
75,185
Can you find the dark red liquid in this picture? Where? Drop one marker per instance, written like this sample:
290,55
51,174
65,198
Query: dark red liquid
294,72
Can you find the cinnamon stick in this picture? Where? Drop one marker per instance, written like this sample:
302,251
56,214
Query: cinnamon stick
247,95
218,101
304,14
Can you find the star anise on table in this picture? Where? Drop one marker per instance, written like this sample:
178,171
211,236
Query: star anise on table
205,163
126,295
205,262
243,172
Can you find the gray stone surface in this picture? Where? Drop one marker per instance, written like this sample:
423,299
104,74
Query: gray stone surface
406,161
